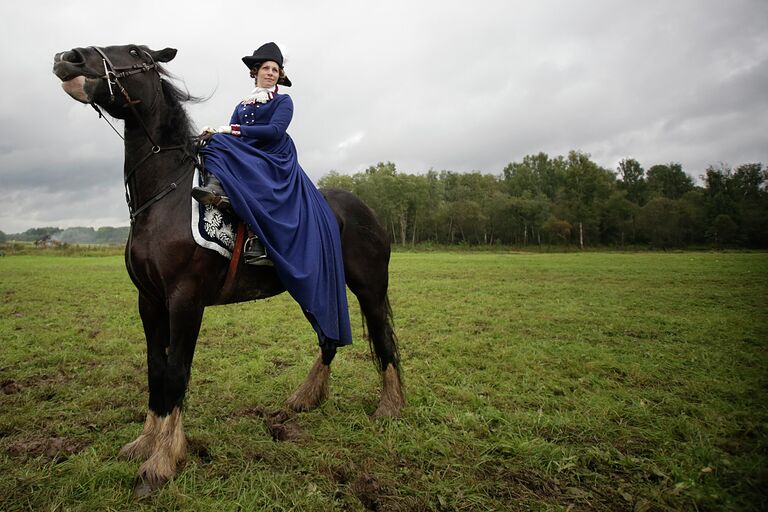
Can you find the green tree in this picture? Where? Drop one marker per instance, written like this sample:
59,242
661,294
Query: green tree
430,222
34,234
78,235
414,200
668,180
749,181
723,230
618,223
632,180
467,209
535,175
501,225
660,222
719,187
376,187
693,212
112,236
751,197
586,187
336,180
741,196
559,230
470,221
528,214
520,178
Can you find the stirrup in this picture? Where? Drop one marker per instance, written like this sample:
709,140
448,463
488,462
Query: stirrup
254,252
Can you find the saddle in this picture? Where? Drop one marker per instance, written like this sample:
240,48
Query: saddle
217,229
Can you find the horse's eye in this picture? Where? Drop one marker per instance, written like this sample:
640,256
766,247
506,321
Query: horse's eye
134,52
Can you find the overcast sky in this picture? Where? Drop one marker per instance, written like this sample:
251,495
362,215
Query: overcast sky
444,85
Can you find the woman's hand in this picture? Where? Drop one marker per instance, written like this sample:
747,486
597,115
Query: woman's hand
205,135
232,129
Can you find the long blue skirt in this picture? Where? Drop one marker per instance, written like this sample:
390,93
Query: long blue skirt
271,193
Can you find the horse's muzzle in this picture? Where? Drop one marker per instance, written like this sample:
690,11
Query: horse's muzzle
77,80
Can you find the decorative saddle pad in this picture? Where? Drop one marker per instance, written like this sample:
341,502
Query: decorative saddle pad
212,228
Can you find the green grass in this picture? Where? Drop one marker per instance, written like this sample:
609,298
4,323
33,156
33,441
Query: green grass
597,381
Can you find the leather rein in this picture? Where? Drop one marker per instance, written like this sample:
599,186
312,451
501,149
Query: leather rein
113,74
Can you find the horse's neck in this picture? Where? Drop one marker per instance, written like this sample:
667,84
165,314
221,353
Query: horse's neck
151,169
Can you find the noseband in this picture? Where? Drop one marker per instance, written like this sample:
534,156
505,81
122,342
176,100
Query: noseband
112,75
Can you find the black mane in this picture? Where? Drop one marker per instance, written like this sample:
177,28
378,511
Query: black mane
177,124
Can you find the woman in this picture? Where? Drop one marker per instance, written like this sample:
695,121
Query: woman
254,169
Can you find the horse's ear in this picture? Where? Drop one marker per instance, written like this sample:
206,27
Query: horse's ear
163,55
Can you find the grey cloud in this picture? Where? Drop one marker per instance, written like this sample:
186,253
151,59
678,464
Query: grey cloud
432,84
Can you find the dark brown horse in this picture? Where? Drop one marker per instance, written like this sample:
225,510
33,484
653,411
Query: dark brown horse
175,277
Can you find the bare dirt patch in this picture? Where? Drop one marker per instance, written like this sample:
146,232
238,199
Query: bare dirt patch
199,448
281,364
11,387
281,427
54,448
368,490
280,424
373,492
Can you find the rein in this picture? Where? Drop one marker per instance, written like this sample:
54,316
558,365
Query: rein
113,74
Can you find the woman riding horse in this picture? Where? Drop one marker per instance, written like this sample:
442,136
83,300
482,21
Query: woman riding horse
254,168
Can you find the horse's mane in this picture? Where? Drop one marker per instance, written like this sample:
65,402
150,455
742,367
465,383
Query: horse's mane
177,122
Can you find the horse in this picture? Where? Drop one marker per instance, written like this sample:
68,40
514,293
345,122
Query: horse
176,278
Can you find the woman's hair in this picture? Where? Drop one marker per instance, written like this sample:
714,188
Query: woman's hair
255,69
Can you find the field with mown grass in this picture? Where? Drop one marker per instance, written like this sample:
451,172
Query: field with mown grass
581,381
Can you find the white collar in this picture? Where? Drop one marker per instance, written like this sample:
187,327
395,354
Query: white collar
260,95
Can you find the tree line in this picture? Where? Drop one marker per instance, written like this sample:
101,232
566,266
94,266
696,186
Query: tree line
568,200
543,200
77,235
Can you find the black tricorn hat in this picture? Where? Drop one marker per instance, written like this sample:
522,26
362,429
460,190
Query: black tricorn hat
265,52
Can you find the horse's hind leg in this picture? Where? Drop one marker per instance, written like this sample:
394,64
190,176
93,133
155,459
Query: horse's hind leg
378,317
314,390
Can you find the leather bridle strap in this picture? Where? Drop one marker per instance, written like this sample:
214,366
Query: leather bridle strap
167,190
113,74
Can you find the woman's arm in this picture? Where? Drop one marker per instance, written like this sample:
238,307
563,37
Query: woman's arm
235,119
277,126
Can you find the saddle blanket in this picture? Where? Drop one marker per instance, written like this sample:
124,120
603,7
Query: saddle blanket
212,228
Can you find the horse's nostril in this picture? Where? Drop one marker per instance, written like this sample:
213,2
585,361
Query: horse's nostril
73,57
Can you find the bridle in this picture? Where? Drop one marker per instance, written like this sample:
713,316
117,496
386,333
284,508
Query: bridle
112,75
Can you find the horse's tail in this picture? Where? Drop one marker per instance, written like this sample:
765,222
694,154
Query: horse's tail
382,340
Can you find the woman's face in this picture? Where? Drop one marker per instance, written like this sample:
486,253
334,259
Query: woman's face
268,74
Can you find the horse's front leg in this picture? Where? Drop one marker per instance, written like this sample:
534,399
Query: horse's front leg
154,317
167,391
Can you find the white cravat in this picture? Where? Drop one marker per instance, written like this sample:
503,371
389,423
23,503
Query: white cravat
260,95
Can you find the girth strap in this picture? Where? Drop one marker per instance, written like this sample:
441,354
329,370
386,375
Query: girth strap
234,264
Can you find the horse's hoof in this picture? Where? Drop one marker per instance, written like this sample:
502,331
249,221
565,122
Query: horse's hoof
144,489
386,411
392,399
301,404
313,391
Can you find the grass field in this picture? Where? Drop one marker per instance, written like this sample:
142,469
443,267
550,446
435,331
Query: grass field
596,381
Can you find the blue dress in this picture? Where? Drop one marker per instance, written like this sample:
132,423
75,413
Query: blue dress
271,193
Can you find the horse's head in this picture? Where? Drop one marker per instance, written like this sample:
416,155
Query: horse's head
111,77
